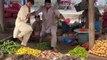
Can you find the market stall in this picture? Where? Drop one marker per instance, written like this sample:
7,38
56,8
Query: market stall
42,51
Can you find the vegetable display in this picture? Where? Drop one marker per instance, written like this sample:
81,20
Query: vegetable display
27,50
48,54
99,48
26,53
68,57
9,47
78,51
44,46
83,29
27,57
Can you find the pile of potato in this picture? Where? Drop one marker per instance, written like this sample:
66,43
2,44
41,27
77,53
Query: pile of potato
99,48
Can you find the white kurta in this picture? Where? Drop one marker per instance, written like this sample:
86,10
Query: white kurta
22,29
49,24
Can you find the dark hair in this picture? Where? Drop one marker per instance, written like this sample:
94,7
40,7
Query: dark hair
31,1
47,1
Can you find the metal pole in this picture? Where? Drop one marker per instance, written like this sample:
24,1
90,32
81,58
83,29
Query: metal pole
1,15
91,24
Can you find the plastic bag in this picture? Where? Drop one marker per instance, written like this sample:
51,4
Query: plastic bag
66,40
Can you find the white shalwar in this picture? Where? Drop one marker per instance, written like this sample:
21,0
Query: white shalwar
22,29
49,24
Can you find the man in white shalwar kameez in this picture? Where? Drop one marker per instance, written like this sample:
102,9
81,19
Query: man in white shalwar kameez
22,29
49,24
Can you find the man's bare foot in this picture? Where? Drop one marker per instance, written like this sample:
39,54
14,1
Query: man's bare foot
23,44
54,49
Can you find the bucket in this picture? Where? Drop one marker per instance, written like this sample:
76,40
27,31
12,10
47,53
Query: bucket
83,38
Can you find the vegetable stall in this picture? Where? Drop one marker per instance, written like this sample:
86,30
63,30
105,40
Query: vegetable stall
17,52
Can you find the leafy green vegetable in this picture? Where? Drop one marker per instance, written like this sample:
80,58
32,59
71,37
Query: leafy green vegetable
44,46
9,47
79,51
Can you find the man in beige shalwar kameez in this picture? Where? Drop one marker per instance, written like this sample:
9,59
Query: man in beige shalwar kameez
22,29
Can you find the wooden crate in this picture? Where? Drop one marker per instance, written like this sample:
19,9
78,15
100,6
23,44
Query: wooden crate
94,57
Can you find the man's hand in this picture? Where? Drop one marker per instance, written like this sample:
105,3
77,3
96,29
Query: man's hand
62,17
33,13
29,15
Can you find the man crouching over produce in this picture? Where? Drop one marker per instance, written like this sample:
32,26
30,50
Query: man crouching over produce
22,29
49,24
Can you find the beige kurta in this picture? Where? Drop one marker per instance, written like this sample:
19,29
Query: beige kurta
49,24
22,29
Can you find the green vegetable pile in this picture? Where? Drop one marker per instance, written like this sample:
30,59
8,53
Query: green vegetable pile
79,51
9,47
44,46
